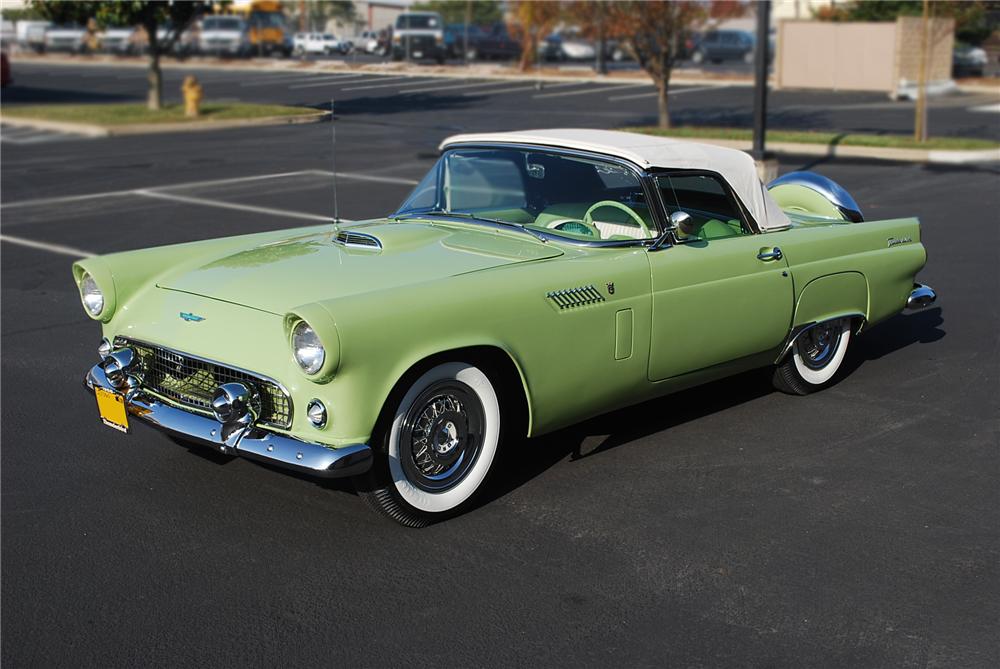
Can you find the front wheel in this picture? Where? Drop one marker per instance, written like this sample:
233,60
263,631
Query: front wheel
815,358
437,450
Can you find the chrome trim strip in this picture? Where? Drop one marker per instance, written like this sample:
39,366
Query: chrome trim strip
799,329
250,442
826,187
258,375
920,297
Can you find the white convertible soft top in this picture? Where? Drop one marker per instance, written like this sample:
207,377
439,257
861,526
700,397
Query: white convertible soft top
647,151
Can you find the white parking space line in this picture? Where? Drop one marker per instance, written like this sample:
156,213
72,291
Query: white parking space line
297,78
332,82
383,85
120,193
533,87
375,178
986,108
18,135
480,84
655,93
158,191
46,246
588,91
232,205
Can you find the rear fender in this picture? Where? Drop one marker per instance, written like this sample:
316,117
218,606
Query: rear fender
832,296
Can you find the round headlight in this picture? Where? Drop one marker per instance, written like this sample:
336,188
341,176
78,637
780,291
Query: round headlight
307,348
93,298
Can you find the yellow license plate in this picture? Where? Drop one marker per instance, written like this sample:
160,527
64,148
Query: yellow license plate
111,406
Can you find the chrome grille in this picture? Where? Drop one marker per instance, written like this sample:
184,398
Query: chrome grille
190,381
575,297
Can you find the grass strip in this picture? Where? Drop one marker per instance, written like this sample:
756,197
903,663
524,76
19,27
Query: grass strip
114,114
824,138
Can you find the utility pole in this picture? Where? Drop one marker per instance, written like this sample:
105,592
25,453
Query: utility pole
920,122
468,20
767,169
601,65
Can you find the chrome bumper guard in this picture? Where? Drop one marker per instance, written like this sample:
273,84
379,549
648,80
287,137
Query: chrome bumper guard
250,442
921,296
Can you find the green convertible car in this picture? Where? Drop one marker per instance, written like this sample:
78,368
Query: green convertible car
531,280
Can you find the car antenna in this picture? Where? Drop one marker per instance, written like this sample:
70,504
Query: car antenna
333,161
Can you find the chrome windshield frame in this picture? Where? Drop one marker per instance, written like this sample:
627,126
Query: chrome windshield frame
644,176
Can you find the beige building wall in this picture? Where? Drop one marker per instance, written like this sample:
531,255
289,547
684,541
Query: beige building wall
860,56
941,43
379,14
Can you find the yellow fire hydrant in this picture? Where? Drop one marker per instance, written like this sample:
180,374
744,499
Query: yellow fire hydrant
192,96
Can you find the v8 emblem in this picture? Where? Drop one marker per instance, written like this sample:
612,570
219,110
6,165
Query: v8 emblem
611,288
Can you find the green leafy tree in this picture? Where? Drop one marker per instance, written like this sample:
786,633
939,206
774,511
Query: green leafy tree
311,16
481,12
150,14
974,20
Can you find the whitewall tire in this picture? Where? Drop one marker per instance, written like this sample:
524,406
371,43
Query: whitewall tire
815,358
438,446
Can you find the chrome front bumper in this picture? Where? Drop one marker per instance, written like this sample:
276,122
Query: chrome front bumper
921,296
251,442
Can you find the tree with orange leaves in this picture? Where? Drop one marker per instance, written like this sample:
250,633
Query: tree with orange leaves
654,32
532,21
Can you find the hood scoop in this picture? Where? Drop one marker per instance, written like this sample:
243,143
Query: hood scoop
358,240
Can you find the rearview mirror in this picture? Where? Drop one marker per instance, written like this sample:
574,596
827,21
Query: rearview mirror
683,224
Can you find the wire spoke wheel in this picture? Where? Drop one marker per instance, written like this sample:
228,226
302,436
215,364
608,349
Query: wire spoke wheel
442,433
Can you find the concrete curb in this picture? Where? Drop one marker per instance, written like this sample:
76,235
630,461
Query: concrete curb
933,156
93,130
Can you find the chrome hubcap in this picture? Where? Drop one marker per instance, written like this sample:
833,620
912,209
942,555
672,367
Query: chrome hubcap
818,344
441,436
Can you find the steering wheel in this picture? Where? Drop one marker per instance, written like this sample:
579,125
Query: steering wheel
588,218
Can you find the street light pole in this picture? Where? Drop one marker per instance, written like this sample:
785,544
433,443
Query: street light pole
760,78
767,167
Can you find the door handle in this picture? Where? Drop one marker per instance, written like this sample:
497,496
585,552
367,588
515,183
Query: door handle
773,254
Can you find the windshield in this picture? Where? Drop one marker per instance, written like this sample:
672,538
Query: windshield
417,22
222,23
576,197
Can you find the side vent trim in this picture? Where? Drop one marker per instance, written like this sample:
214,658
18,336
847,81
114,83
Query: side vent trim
358,240
570,298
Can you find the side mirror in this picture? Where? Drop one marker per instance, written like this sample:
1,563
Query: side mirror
683,224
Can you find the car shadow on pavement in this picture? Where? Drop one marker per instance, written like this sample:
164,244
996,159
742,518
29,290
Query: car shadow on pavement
900,331
524,460
527,459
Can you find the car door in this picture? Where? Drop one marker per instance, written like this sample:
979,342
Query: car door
719,294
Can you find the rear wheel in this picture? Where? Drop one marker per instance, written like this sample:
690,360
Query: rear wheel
434,454
815,358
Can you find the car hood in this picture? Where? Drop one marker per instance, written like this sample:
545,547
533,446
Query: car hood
278,276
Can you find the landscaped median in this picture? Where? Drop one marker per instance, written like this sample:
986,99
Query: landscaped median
884,147
101,120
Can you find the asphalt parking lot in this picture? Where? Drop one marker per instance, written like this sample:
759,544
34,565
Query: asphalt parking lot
473,103
729,526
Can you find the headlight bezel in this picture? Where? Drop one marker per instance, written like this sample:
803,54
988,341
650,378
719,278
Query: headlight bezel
101,275
89,288
303,336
